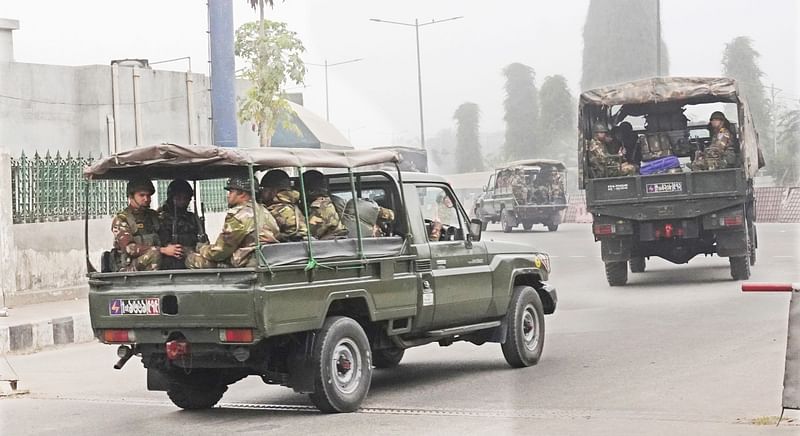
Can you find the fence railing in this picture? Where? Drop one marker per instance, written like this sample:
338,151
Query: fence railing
52,188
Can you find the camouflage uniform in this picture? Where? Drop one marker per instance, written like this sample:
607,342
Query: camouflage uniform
136,239
236,243
556,187
374,219
323,220
518,187
290,219
185,233
603,164
718,155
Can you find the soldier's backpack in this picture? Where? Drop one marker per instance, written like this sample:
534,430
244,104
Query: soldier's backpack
655,145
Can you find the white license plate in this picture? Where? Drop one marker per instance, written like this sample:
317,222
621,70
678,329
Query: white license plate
134,306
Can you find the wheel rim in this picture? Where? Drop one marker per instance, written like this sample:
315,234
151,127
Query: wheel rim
530,327
346,366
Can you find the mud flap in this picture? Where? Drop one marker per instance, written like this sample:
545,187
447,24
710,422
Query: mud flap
156,380
616,249
791,377
301,365
732,243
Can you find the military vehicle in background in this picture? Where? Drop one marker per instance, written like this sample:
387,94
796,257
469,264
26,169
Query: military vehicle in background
666,210
411,158
524,192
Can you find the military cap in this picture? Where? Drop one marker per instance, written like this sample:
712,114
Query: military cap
717,115
276,179
179,186
599,127
139,185
240,183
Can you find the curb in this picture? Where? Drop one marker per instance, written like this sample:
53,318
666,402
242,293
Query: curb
32,337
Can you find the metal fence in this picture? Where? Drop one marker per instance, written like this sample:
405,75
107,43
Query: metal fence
51,188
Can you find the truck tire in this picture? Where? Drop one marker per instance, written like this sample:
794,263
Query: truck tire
753,245
504,222
199,390
484,224
342,363
638,264
740,267
552,227
387,358
524,339
617,273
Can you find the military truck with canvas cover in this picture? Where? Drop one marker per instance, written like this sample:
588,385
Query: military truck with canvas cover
525,193
672,207
318,315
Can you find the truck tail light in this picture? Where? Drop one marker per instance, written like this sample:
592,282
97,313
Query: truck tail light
119,336
236,335
176,349
732,221
668,231
604,229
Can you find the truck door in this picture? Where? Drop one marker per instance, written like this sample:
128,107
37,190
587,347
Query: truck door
487,206
462,285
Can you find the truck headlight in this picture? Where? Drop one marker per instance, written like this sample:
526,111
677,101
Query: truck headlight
542,260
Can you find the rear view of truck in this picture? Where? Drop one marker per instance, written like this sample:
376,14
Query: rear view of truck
651,196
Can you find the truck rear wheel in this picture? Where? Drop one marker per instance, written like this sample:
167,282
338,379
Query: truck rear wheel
638,264
342,364
201,389
740,267
527,225
552,227
524,339
617,273
387,358
753,244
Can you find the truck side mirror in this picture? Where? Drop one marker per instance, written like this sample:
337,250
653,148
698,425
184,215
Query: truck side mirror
475,229
485,189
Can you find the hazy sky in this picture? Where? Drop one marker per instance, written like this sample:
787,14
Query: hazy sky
375,101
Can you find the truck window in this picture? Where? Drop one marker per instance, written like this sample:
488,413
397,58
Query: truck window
490,184
440,214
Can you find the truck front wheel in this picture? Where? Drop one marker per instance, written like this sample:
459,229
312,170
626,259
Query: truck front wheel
617,273
201,389
505,222
342,364
524,339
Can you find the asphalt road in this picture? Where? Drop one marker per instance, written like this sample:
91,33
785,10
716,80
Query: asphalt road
678,350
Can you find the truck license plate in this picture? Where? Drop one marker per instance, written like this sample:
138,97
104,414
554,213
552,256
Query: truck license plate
134,306
658,188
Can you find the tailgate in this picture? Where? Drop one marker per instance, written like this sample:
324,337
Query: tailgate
159,300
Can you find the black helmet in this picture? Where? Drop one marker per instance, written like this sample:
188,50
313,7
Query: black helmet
139,185
276,179
240,183
717,115
599,127
313,180
179,186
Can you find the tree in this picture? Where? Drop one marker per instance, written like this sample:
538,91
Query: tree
468,147
557,129
272,59
521,112
786,165
619,43
740,62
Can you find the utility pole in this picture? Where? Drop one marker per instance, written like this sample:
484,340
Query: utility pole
416,25
658,37
774,112
326,65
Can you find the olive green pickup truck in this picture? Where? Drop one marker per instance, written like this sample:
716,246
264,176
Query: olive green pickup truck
319,315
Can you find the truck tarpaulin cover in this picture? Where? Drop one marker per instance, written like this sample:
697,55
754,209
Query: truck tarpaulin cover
684,90
166,161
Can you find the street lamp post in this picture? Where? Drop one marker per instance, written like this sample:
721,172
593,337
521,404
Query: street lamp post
416,25
326,65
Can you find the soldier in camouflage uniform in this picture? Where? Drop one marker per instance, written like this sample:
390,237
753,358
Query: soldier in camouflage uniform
324,221
604,162
176,224
518,186
720,153
236,244
283,203
135,229
444,216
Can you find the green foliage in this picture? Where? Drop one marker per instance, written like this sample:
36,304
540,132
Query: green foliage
557,117
740,62
521,112
272,55
468,147
619,43
786,165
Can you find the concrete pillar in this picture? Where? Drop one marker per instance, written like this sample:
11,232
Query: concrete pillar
6,40
223,93
8,255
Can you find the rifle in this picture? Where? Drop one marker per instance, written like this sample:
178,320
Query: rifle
201,223
175,222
